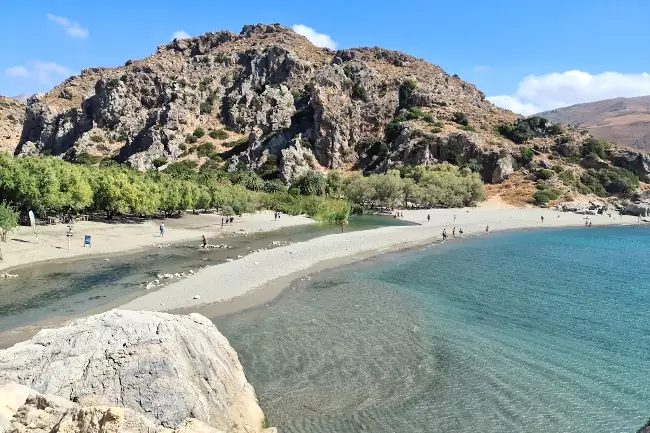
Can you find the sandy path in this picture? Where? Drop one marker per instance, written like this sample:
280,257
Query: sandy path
111,238
229,280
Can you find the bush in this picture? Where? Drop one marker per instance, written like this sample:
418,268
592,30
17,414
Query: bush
393,130
618,180
460,118
593,146
414,113
274,185
182,146
191,139
543,195
95,138
406,91
564,139
311,183
205,149
205,108
527,154
467,128
545,174
198,132
88,159
558,169
429,118
160,161
227,210
556,129
218,135
436,129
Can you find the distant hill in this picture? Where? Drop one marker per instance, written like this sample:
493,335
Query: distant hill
624,121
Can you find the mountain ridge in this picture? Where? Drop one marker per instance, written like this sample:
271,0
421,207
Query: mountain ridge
625,121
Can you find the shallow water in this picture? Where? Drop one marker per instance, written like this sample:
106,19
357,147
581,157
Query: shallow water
63,288
542,332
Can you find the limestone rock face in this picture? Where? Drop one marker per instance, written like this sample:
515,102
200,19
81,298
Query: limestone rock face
635,161
166,367
638,209
12,116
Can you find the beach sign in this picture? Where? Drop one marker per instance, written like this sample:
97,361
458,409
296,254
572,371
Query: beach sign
87,241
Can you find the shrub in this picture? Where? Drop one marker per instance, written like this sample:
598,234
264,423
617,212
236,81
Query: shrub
88,159
311,183
205,108
558,168
160,161
359,92
182,146
436,129
190,139
593,146
218,135
545,174
113,82
393,130
406,91
429,118
205,149
95,138
227,210
274,185
198,132
414,113
618,180
467,128
556,129
564,139
527,154
544,194
460,118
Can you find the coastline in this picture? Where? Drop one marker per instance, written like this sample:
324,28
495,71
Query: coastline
109,239
263,272
251,285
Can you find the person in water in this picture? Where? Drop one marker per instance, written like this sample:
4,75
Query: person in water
204,241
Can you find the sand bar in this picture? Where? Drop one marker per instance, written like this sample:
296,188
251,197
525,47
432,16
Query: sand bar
112,238
233,279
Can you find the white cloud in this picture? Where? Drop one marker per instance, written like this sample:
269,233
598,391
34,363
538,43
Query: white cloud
318,39
550,91
180,34
480,68
73,29
17,71
46,73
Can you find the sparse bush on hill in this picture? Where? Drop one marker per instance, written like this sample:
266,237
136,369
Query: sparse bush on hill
527,154
545,194
545,174
198,132
460,118
190,139
526,129
205,149
406,92
160,161
218,135
593,146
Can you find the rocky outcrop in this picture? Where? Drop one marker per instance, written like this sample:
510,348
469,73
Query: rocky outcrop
645,429
638,209
37,413
266,83
166,368
12,116
635,161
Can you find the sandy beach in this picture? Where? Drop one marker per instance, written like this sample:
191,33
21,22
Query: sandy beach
117,237
240,277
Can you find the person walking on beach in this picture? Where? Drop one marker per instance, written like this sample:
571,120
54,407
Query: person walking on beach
460,232
429,218
444,235
542,217
162,230
487,230
453,233
454,217
204,241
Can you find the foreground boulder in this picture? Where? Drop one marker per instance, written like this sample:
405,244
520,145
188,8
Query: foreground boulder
167,368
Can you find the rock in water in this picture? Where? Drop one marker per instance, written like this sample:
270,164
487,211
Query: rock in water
166,367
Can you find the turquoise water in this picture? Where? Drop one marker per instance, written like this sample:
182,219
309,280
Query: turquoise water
541,332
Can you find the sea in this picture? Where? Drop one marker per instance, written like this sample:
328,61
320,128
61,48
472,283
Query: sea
542,331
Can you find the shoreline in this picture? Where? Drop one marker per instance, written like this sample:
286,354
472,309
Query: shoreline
225,282
111,239
256,285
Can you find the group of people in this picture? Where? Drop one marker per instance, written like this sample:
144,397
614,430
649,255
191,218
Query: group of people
228,220
398,215
277,215
453,233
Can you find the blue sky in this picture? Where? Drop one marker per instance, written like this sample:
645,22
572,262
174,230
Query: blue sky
527,55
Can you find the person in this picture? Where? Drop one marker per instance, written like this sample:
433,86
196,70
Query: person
460,232
429,218
221,222
589,223
487,229
204,241
542,217
162,230
454,217
232,219
586,223
444,235
275,215
342,226
453,232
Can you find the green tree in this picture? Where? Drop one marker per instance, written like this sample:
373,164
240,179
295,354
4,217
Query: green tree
311,183
8,222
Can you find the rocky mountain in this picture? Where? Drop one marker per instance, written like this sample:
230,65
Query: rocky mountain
163,371
268,100
625,121
12,116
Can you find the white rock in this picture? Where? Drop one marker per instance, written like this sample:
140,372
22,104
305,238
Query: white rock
165,367
196,297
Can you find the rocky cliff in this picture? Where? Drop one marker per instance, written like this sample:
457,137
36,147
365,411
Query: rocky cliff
12,116
151,369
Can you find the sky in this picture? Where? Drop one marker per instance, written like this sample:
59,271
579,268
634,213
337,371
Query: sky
527,56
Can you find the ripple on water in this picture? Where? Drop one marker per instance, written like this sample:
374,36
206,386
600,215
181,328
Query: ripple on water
539,331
